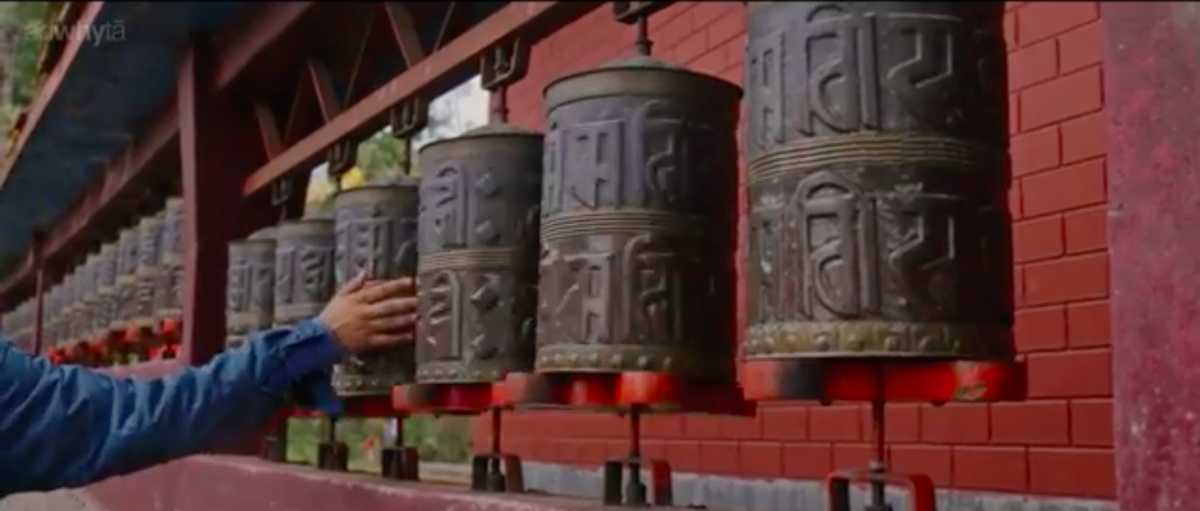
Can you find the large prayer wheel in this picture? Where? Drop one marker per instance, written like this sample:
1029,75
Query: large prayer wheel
477,273
376,233
250,291
168,294
303,269
125,289
638,222
106,290
150,231
875,153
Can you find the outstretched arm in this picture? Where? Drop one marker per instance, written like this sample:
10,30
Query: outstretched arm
70,426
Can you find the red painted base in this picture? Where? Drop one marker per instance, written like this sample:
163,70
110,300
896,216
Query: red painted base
843,380
648,390
464,399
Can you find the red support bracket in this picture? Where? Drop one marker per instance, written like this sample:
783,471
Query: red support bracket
466,399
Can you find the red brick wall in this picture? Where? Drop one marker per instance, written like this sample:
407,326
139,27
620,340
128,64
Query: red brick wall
1059,442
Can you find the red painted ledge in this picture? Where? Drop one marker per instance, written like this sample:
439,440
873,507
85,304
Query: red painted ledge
234,483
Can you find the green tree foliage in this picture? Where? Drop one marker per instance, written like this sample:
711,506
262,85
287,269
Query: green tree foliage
23,34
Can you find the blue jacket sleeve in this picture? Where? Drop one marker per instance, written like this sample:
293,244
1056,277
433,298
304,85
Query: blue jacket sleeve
69,426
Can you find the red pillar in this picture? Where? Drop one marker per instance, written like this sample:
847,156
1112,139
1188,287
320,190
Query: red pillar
1152,87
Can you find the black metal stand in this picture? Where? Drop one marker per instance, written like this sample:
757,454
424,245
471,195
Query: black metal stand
398,461
332,454
496,471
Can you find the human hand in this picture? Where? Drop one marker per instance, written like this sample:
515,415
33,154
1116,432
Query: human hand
368,316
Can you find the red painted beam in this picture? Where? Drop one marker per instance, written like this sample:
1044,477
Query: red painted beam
48,89
532,20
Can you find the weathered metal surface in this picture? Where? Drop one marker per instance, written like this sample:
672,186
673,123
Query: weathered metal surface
304,276
168,293
106,280
50,328
376,233
88,298
875,150
125,287
478,247
150,231
637,228
250,287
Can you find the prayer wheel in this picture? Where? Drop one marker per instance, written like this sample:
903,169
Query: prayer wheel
304,279
875,152
376,233
86,296
638,222
476,274
125,288
250,298
150,231
168,294
106,290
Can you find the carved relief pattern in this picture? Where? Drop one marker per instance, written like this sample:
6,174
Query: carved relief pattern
376,231
249,305
304,269
629,270
478,229
876,182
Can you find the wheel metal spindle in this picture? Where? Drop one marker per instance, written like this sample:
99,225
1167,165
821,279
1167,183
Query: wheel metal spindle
495,476
635,490
878,466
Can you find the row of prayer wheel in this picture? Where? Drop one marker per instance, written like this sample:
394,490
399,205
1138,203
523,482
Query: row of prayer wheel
17,325
878,226
132,282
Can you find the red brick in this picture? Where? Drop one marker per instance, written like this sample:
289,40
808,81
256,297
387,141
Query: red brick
1038,239
852,456
954,423
711,62
728,24
1092,422
719,457
838,422
662,426
1086,230
1089,325
1034,151
593,452
692,47
991,468
1018,287
741,428
1014,114
654,450
1012,6
1066,279
1070,374
701,426
807,461
671,12
1084,137
761,459
788,422
1081,47
683,455
1069,187
1040,329
1036,63
1074,472
1010,31
1039,20
1014,200
903,423
1061,98
670,32
1030,423
933,461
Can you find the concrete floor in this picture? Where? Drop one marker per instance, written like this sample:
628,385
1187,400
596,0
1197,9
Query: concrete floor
61,500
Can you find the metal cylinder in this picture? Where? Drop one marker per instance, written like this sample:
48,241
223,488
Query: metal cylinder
87,299
106,290
149,239
875,152
638,222
376,233
476,272
303,269
125,288
51,319
168,294
249,297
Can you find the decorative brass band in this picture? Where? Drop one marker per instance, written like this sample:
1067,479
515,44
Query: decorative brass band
619,221
454,371
607,358
868,149
469,259
877,338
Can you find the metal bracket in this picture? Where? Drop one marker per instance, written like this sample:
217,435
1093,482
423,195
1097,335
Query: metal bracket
282,190
630,12
921,493
341,157
499,67
409,117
